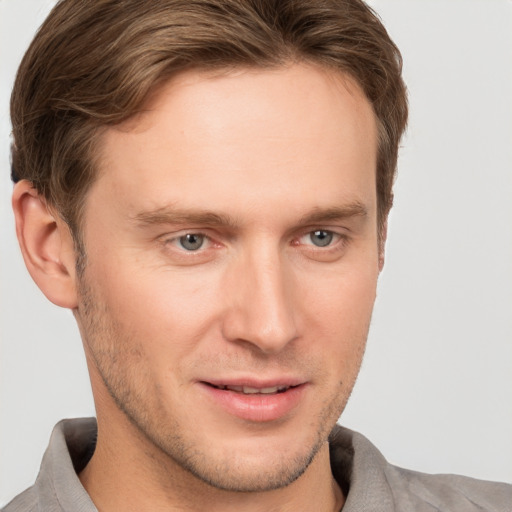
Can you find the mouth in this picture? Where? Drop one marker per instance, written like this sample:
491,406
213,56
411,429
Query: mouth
249,390
256,401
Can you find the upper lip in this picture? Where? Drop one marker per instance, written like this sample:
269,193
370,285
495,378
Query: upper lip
255,382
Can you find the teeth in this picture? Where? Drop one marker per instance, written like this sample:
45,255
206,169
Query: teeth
269,390
248,390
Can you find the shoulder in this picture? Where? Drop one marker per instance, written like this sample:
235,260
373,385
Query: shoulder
25,502
57,487
374,484
411,490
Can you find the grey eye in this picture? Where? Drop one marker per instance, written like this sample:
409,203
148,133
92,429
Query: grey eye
321,238
192,241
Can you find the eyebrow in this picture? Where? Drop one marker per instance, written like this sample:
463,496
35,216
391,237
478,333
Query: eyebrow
170,215
319,215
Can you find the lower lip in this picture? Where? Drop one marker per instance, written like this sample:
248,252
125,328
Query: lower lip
256,407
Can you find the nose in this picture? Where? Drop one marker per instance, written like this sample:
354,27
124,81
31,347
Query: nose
260,302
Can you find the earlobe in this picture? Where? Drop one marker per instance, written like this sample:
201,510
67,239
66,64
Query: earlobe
46,245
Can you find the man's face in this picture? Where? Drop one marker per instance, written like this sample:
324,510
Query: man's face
232,262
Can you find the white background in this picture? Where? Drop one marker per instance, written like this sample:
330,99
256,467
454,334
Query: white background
435,392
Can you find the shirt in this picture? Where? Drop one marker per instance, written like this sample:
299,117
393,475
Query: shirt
370,483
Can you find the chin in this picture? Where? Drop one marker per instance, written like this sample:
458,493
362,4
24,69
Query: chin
258,459
243,471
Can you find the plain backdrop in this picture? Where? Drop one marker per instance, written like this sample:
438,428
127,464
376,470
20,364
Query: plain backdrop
435,391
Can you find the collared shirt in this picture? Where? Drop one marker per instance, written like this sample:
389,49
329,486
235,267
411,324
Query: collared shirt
372,484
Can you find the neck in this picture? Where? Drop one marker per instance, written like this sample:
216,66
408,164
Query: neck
127,472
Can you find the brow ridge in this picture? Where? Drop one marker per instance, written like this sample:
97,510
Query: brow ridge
171,215
318,215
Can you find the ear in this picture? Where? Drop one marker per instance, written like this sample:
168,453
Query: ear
46,244
382,244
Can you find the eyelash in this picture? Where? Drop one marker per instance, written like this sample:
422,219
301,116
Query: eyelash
335,246
335,237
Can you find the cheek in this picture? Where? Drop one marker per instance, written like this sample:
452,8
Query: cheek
158,308
344,298
338,318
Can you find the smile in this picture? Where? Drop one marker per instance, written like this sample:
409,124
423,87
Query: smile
255,401
248,390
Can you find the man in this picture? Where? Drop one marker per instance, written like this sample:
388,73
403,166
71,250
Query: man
207,189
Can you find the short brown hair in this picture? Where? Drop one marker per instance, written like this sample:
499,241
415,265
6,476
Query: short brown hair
95,63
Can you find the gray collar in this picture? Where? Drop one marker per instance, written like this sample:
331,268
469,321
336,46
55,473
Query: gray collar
360,469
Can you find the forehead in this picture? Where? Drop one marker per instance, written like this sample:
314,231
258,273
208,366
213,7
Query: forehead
276,132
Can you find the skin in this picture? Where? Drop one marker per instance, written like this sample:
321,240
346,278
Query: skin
272,157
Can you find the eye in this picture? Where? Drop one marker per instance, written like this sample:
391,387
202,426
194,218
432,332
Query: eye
322,244
321,237
191,241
